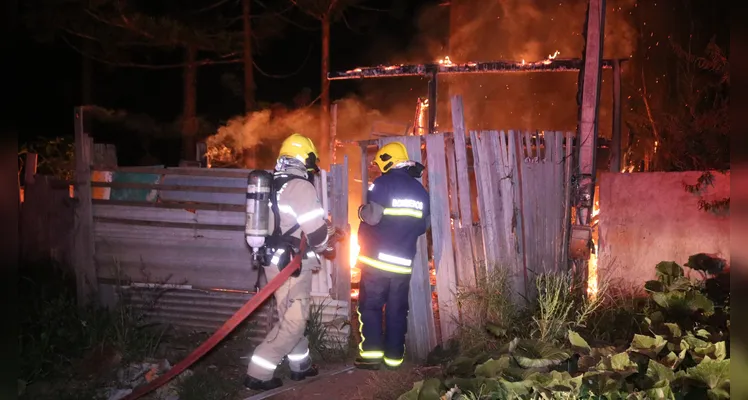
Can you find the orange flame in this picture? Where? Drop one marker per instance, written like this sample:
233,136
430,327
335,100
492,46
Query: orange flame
353,254
445,61
592,281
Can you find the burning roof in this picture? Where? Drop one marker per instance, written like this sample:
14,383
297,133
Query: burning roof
447,67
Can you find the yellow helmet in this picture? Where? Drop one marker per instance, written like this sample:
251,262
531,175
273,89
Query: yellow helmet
299,147
390,155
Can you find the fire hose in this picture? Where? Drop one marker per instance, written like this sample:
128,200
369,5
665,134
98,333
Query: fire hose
228,326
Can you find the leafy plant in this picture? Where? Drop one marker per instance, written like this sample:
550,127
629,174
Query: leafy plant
671,361
55,157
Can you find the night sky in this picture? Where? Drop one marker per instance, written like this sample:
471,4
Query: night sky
49,75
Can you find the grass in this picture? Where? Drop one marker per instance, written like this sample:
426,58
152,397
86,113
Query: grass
562,305
486,304
323,344
57,336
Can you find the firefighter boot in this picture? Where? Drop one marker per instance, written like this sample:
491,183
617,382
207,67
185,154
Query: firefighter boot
256,384
308,373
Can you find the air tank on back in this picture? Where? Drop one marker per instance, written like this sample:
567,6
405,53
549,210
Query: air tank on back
257,225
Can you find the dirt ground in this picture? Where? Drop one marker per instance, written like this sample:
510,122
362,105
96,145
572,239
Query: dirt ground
219,375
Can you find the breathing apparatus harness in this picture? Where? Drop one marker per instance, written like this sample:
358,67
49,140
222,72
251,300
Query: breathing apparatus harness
278,242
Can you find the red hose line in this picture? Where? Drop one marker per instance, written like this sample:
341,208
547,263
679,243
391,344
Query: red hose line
228,326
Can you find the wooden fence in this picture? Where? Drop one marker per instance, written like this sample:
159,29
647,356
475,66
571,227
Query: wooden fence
519,184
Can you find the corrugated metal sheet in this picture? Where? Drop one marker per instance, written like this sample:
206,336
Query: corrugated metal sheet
129,248
203,311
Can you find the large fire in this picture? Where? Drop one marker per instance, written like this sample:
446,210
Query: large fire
592,281
352,256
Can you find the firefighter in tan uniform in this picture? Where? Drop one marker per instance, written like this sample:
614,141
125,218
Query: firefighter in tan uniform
296,209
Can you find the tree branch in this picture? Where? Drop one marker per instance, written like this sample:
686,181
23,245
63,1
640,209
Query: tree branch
288,20
210,7
123,64
303,64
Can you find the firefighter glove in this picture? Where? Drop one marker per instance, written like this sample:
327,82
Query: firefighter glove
370,213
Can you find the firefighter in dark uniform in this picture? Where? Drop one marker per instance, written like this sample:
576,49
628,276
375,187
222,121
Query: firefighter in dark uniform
396,214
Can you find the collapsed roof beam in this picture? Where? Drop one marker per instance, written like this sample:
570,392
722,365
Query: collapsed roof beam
382,71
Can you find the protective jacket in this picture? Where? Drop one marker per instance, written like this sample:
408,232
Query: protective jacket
299,211
390,245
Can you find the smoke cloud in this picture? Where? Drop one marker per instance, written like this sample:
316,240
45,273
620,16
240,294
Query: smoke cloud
267,128
464,30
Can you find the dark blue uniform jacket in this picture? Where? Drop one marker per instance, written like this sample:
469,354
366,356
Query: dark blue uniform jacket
406,212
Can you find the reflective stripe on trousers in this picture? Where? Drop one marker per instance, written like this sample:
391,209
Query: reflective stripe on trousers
389,263
287,336
389,291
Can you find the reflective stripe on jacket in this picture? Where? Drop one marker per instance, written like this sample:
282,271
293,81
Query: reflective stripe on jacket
390,245
298,204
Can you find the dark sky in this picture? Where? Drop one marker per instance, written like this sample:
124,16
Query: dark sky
48,76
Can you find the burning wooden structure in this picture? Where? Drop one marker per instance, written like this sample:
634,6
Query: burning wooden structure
499,201
448,67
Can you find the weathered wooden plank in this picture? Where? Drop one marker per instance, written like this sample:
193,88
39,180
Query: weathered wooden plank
421,330
568,163
483,177
83,255
342,269
464,237
559,176
506,171
184,171
171,205
364,174
165,187
30,164
105,155
515,156
170,215
441,237
491,139
169,224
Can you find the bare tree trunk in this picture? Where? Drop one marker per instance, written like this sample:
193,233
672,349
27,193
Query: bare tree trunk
250,155
86,76
189,112
324,138
249,78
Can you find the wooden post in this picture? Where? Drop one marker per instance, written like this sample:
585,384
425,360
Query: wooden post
441,236
464,237
342,270
364,173
615,153
432,101
30,172
588,124
104,156
83,255
334,132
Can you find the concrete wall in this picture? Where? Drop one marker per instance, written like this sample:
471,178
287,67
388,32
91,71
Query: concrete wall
649,217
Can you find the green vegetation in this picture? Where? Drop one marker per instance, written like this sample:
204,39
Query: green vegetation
681,349
58,339
323,344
